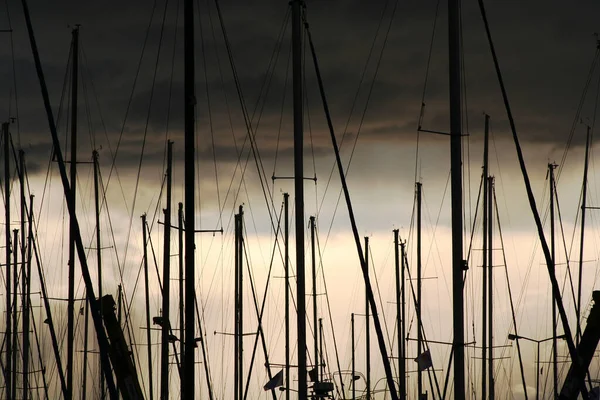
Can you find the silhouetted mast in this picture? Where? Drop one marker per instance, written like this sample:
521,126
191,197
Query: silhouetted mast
297,66
553,255
286,262
73,171
313,259
419,293
484,308
367,325
147,292
458,264
98,249
581,241
24,280
190,184
166,322
8,335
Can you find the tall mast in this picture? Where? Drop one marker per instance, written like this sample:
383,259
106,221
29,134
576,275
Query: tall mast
353,360
491,287
455,78
314,289
24,280
236,319
484,285
181,317
15,327
147,292
297,65
190,158
119,318
166,322
583,204
553,256
8,335
98,248
399,316
286,264
419,292
73,171
367,325
403,300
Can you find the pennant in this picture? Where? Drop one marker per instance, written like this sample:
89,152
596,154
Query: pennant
276,381
424,360
313,374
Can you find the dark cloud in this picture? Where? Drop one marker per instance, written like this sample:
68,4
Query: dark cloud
545,49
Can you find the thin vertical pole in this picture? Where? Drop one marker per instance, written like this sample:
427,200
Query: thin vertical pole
484,266
455,78
581,241
236,323
353,359
8,362
491,287
402,356
240,338
286,262
190,160
24,302
26,297
553,255
119,319
297,66
537,375
181,316
419,293
166,322
147,287
314,289
73,170
86,321
15,326
367,326
98,251
401,381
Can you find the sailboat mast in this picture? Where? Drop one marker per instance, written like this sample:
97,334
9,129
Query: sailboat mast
353,359
313,259
491,287
419,292
553,255
73,172
8,335
583,204
367,325
15,326
24,280
399,318
237,378
98,249
484,264
181,317
147,292
189,181
402,356
286,262
166,324
455,78
297,66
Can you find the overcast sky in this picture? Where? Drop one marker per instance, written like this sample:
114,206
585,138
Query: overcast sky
373,57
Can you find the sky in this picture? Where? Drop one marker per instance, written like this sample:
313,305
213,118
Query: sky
380,62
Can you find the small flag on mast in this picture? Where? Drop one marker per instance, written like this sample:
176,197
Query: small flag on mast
424,360
275,381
